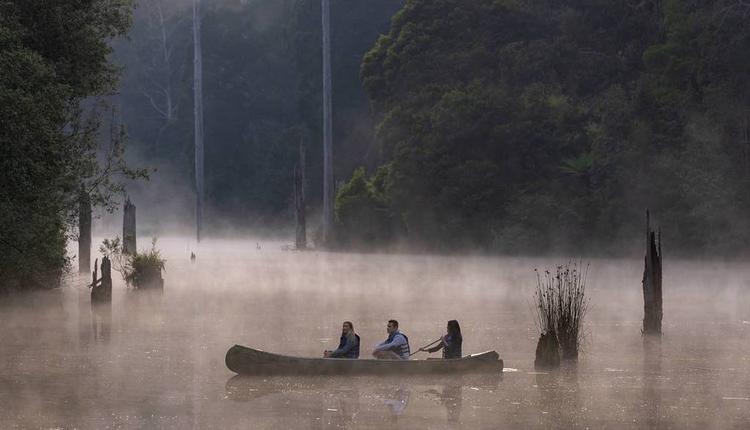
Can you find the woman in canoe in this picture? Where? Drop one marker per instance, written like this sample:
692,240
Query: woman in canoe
450,342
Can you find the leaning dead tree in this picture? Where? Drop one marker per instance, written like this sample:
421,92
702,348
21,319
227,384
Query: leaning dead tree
299,199
84,232
652,297
128,228
327,124
198,118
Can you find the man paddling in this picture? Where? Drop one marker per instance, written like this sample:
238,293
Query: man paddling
396,347
349,344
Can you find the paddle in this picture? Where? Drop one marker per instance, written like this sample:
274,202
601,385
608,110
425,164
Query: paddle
426,346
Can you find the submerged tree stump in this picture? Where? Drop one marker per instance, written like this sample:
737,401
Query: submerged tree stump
547,351
101,289
84,232
652,293
150,278
128,228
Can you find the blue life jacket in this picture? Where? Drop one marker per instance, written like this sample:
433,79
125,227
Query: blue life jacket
354,352
452,348
403,351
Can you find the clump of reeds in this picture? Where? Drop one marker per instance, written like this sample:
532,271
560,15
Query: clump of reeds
138,269
560,306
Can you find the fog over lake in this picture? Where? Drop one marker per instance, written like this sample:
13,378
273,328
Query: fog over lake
158,360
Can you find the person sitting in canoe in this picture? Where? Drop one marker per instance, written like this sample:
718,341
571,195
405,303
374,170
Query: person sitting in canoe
450,342
349,344
396,347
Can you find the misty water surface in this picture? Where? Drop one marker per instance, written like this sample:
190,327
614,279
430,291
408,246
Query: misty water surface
157,361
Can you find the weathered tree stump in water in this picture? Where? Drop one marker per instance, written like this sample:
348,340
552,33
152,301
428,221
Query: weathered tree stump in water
101,289
652,294
128,228
150,279
84,232
547,351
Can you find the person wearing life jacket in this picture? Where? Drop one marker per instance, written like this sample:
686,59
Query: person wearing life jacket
348,345
396,347
450,343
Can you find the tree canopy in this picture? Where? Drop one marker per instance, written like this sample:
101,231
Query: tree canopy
550,126
53,58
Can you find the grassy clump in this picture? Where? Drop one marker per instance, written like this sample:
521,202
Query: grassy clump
560,306
138,269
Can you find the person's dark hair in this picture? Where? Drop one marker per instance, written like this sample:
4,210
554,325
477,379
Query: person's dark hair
394,322
351,326
453,328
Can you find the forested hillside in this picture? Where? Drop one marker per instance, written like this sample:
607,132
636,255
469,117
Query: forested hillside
534,126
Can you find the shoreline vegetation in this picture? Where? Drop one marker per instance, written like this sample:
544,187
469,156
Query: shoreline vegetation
513,128
55,80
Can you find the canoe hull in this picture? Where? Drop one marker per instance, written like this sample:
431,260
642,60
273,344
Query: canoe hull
248,361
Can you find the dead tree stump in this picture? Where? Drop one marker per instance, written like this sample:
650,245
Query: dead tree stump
101,290
128,228
652,293
299,199
547,351
84,233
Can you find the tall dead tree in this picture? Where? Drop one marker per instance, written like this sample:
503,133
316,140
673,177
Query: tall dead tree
84,232
198,118
299,198
156,57
327,123
128,228
652,293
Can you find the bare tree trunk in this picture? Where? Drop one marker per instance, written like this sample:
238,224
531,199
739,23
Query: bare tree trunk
198,118
299,198
169,106
128,228
84,233
745,136
327,124
652,293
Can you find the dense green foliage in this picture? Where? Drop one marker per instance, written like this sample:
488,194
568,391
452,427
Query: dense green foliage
538,126
362,214
262,95
53,55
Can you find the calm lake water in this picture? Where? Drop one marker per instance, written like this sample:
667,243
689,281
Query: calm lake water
157,361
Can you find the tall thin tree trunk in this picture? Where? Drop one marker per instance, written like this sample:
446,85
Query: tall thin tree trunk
169,108
128,228
84,233
745,136
198,118
299,198
327,124
652,293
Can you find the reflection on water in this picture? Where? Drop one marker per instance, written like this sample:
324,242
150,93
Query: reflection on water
652,371
559,403
101,321
396,401
451,398
338,402
156,360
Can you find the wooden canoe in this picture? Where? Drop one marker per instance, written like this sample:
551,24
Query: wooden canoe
249,361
